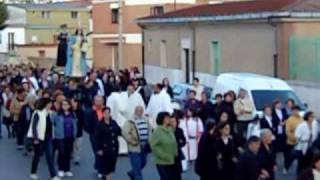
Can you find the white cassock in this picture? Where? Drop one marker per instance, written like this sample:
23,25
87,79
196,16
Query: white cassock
122,109
158,103
193,129
101,87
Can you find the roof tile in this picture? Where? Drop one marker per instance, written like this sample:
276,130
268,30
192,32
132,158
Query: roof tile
228,8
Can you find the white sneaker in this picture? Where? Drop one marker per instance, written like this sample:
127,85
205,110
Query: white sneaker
34,177
99,176
56,178
68,174
284,171
61,174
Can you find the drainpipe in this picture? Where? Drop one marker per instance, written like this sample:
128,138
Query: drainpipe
276,54
143,50
193,52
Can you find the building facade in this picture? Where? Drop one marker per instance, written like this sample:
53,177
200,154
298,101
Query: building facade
105,14
31,30
270,37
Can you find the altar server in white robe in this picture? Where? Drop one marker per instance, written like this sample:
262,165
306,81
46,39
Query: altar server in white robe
122,105
160,101
192,127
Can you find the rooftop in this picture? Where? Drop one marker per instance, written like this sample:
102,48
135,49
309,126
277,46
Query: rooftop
73,5
237,8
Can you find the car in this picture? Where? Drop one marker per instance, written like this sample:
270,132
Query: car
181,91
262,90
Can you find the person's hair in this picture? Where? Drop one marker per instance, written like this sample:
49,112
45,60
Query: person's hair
210,124
220,126
291,100
70,106
20,90
256,118
106,109
178,114
296,108
192,91
160,86
315,159
193,112
165,79
161,116
218,96
30,97
263,132
226,94
42,103
266,106
253,139
78,101
196,79
56,94
307,115
173,116
275,102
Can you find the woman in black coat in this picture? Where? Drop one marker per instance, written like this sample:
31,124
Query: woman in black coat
310,173
206,162
107,145
227,152
181,141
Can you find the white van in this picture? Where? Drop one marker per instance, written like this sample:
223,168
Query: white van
261,89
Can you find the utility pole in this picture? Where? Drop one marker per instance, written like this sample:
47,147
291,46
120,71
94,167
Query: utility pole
120,35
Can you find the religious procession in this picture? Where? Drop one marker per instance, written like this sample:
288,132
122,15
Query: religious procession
49,113
147,90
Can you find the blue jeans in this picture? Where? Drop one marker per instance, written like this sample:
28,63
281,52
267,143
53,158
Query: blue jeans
138,162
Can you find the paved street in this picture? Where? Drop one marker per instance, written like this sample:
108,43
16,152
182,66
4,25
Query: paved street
14,166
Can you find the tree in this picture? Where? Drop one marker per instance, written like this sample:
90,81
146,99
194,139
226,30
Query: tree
3,13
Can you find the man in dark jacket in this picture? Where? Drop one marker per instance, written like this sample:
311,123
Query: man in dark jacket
206,165
206,110
92,118
266,153
249,165
192,102
279,115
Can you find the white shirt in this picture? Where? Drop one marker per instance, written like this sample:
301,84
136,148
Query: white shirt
159,103
253,130
34,82
303,133
199,89
279,114
269,120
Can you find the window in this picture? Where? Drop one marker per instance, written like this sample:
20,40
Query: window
263,97
163,54
45,14
216,57
74,15
157,10
115,16
149,45
11,41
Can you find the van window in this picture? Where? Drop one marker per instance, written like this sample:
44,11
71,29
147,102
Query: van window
266,97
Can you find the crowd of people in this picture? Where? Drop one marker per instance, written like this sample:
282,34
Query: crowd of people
48,113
